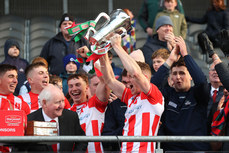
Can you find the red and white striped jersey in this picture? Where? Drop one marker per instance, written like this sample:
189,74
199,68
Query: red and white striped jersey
32,100
91,116
142,118
11,102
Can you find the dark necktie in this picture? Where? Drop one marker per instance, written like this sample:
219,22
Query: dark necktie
214,95
54,146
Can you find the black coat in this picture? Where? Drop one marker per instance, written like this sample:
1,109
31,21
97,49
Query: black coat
151,46
56,48
68,126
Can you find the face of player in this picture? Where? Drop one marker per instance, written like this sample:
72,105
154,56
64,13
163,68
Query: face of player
93,84
8,82
213,76
63,26
181,79
13,51
133,86
126,81
54,107
77,89
157,62
170,5
39,78
163,30
71,67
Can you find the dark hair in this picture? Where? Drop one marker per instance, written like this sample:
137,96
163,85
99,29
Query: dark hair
124,73
54,79
170,1
179,63
220,5
32,66
110,54
6,67
77,76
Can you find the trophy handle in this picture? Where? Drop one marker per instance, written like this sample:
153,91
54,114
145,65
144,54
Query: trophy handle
123,30
89,31
102,14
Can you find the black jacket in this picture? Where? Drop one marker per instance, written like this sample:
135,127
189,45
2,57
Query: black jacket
215,20
151,46
68,126
56,48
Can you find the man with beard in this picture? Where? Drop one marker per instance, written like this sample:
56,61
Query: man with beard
91,111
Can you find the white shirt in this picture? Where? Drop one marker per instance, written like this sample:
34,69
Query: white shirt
48,119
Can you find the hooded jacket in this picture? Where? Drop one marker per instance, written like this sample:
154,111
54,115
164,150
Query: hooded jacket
20,63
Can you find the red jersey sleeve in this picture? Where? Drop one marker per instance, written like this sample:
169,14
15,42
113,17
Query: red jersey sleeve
67,104
99,105
126,95
154,95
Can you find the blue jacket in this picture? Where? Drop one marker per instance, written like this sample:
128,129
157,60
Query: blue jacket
20,63
185,112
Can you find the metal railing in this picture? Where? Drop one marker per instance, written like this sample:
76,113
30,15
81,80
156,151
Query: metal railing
158,139
22,139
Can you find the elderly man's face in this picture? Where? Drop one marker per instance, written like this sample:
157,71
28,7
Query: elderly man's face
163,30
54,107
213,76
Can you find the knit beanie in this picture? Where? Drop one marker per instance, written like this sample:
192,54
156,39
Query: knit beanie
66,17
71,58
163,20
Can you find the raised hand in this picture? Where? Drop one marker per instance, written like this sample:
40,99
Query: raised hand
224,39
181,46
169,37
83,51
208,44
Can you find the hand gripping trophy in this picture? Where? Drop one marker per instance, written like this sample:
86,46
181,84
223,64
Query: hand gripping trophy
118,22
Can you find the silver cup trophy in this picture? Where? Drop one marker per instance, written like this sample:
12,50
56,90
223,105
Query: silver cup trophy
118,22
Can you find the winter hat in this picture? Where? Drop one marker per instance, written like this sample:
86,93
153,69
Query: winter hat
163,20
9,43
66,17
71,58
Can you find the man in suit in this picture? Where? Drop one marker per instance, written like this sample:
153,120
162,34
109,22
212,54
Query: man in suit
52,102
215,93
